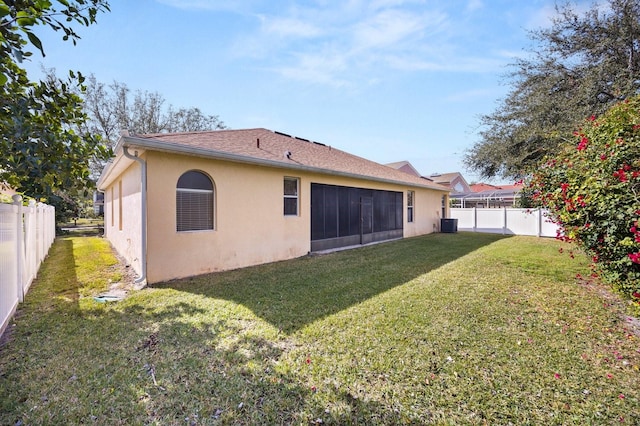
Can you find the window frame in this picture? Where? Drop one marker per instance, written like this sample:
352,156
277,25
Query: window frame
203,223
295,196
411,200
120,205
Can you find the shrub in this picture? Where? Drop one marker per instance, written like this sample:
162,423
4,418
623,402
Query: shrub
592,191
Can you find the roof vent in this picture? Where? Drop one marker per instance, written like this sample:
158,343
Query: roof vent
287,154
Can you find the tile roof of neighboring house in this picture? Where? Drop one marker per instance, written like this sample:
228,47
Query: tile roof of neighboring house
266,147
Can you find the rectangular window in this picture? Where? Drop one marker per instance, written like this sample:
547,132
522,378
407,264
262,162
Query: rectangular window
410,196
113,213
120,205
291,191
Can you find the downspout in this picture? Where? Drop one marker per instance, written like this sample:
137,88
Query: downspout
143,203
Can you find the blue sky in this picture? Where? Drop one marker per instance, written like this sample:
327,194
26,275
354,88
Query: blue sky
388,80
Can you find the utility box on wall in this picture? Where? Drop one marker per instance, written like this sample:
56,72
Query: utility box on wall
449,226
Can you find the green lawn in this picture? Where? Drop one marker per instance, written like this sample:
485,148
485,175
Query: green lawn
443,329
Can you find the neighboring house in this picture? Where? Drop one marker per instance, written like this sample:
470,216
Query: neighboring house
404,166
454,181
487,195
6,189
183,204
98,203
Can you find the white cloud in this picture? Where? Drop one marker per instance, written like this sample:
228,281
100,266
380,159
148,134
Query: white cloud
324,67
437,62
391,27
290,27
541,18
474,5
202,4
340,43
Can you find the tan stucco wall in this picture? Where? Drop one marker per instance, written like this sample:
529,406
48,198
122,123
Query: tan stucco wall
249,225
123,230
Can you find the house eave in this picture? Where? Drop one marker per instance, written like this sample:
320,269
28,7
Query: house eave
143,144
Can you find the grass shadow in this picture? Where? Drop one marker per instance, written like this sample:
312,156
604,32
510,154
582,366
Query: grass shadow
292,294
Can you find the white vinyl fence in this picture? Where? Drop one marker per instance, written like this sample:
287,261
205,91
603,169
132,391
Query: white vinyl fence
26,233
508,221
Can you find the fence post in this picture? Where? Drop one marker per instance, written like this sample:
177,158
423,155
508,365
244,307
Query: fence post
504,220
475,219
17,201
539,221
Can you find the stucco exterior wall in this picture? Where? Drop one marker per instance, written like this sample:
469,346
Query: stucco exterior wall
250,227
427,213
123,216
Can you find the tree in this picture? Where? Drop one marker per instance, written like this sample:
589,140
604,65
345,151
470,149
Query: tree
111,109
581,67
592,190
42,151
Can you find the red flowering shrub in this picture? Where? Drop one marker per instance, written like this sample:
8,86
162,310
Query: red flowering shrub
592,190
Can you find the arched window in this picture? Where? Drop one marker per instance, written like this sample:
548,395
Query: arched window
194,202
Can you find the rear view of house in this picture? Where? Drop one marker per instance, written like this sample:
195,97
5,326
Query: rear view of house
185,204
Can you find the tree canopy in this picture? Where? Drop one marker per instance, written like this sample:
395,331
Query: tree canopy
112,108
42,151
580,66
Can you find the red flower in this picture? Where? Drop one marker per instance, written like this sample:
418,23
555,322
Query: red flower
592,118
636,295
603,157
583,144
635,257
557,375
621,175
308,360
